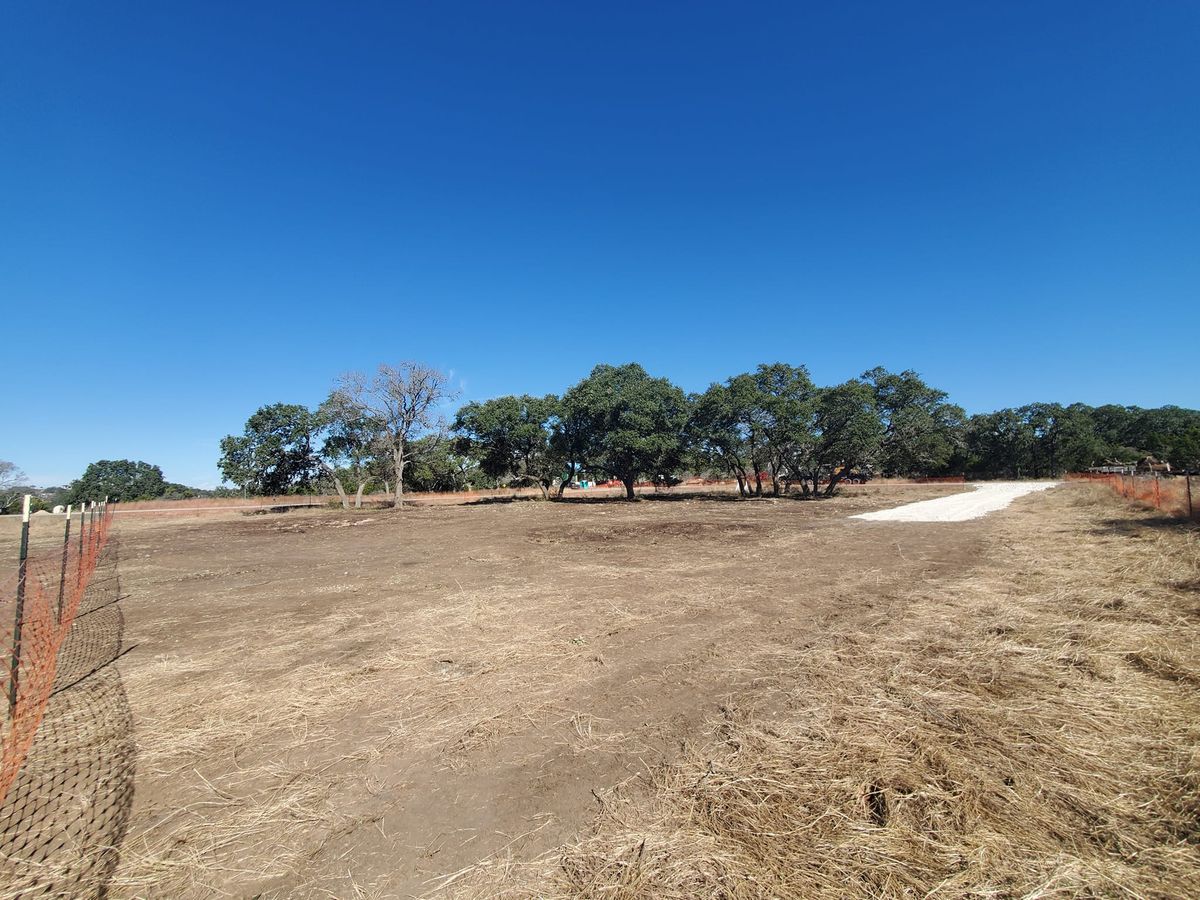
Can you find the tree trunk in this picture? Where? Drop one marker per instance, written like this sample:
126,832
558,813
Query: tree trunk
629,492
398,462
362,486
738,468
835,476
807,490
562,484
341,492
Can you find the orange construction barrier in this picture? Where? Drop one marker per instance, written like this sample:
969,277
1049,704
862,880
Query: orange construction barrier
38,605
1175,495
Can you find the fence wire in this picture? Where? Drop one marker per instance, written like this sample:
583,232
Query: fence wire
38,606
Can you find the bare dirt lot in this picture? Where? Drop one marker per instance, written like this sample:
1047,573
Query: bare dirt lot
518,697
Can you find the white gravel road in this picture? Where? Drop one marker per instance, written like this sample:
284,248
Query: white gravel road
985,498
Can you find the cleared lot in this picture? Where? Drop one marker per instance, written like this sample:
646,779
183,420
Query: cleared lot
451,700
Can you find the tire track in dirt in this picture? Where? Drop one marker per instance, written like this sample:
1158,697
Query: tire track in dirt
530,790
425,688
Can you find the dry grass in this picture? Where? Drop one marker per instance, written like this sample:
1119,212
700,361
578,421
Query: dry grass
1032,730
1027,729
254,814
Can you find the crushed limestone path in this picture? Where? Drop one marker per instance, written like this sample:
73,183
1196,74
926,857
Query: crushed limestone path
985,498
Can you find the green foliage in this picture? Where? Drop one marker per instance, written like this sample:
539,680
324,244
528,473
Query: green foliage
922,431
1170,433
13,504
173,491
437,465
1063,439
1186,451
621,423
275,454
353,452
119,480
780,405
999,444
755,422
1044,440
511,438
628,424
847,435
776,419
397,407
716,439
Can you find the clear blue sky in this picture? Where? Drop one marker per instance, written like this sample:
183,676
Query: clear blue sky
206,207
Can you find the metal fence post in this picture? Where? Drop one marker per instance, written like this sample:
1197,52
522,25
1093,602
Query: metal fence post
14,673
62,575
79,559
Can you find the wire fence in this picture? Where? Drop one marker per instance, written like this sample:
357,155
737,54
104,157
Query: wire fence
1174,495
38,605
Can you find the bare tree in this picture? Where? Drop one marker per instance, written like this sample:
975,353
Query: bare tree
11,478
403,401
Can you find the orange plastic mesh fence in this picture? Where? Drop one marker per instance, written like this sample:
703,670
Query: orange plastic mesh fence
1177,495
54,585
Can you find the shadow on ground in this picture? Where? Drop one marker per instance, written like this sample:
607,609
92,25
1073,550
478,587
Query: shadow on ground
63,821
715,497
1130,526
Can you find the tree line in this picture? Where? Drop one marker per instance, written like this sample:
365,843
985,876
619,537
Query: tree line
120,480
772,430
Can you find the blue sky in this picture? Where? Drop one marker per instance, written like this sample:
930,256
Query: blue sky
208,207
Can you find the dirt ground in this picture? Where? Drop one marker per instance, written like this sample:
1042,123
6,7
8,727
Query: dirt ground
383,704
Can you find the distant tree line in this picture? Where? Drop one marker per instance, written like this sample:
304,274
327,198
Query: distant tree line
772,430
1044,440
119,480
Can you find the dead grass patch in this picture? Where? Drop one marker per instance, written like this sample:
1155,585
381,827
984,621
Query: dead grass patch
1031,730
458,677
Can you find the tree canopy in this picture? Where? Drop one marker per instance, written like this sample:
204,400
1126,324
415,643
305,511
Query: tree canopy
921,431
352,451
276,453
1044,440
772,427
120,480
401,404
629,424
511,438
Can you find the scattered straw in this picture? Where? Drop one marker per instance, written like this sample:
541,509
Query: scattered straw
1029,730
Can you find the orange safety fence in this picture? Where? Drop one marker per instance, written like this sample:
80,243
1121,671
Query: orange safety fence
38,605
1175,495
